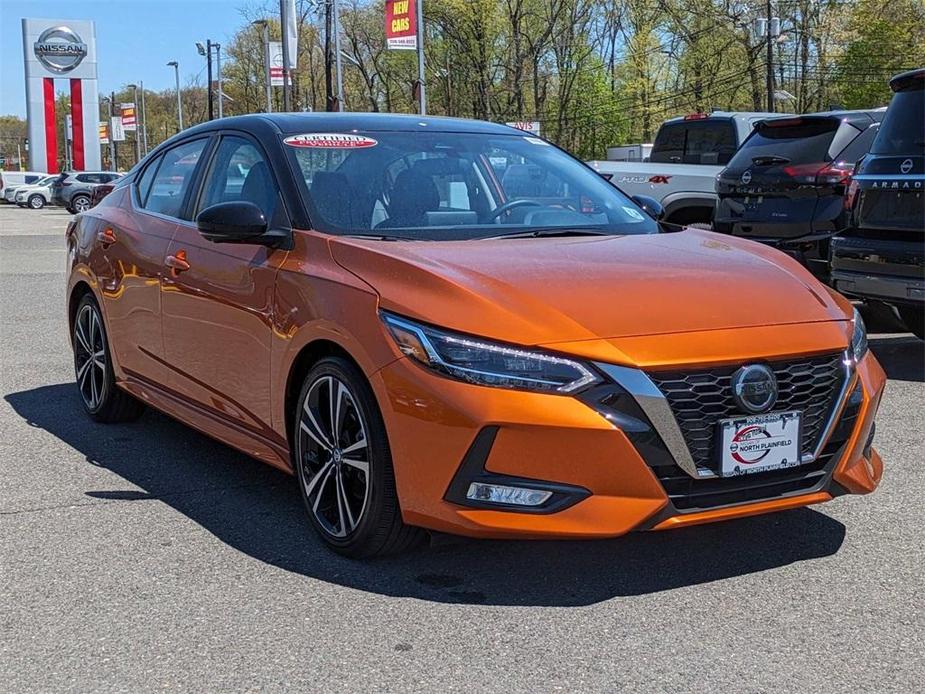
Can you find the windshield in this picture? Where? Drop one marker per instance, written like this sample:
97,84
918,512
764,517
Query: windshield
442,186
901,131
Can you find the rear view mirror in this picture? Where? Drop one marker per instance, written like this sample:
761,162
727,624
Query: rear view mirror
232,222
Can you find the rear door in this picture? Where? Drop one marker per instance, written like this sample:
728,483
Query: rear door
772,186
134,243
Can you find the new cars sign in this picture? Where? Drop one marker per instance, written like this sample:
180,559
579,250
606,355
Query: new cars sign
401,24
56,49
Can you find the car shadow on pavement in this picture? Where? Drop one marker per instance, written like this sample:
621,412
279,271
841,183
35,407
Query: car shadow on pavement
901,356
257,510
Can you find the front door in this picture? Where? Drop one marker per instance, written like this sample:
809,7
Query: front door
218,298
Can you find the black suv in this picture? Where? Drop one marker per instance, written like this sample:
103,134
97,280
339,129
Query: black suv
879,256
786,184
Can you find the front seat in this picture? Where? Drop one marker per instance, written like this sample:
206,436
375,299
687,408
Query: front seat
330,192
413,195
258,188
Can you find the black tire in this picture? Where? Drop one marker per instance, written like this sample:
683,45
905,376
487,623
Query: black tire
36,202
102,399
379,529
914,319
80,203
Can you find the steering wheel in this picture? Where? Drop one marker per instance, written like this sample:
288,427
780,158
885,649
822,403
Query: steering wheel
508,206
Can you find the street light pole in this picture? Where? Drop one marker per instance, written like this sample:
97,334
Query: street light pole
112,135
266,61
207,52
176,74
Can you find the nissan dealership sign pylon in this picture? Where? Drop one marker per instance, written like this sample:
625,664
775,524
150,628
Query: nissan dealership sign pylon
65,50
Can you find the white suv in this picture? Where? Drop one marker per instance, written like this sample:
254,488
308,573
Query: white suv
35,195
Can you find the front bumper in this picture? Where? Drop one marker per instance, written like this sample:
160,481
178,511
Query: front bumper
606,464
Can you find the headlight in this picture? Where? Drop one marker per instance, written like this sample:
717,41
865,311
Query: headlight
858,337
487,363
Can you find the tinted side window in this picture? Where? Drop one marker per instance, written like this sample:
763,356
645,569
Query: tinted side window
240,172
859,147
669,144
31,179
86,178
901,129
144,183
173,178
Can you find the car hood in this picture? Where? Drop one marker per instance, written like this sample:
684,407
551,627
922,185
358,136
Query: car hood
546,290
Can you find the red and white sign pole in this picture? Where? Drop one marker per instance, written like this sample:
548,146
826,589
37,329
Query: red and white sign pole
60,49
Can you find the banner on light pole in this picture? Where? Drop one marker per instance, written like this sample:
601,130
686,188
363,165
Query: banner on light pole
129,117
276,63
104,133
118,132
401,25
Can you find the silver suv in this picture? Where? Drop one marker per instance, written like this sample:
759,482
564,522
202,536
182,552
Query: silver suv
73,189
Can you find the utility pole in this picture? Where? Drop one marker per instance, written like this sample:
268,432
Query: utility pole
221,96
337,60
112,135
137,127
144,122
770,62
266,61
422,97
176,74
284,23
330,104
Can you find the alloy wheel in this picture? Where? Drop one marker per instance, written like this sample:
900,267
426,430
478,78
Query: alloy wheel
36,202
333,456
81,203
90,357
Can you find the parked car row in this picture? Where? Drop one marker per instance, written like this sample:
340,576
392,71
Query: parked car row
76,191
840,191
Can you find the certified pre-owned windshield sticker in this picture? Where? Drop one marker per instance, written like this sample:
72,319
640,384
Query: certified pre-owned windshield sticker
633,212
536,141
330,141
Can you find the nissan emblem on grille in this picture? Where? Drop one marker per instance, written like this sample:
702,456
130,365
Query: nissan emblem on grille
754,388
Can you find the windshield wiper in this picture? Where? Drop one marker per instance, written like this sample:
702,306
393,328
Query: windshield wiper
769,160
383,237
547,232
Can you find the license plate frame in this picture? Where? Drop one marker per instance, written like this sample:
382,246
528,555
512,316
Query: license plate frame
751,444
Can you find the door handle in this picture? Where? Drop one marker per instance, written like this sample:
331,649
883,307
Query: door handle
177,262
106,237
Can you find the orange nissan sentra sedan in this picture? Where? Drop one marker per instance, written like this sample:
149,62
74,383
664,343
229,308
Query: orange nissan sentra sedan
452,325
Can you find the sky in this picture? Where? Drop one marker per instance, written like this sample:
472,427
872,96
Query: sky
134,39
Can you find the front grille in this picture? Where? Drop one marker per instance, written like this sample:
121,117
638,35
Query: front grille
700,399
689,495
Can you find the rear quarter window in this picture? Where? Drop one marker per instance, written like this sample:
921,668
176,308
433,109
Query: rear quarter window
695,142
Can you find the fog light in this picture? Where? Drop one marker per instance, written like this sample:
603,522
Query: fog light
502,494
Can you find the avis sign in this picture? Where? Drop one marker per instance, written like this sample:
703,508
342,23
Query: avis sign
401,24
530,126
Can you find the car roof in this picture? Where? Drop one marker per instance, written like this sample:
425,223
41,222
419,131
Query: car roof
860,118
340,122
727,115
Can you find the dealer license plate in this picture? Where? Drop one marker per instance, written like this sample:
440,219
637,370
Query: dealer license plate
759,443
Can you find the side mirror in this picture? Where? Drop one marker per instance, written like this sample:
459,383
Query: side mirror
232,222
650,206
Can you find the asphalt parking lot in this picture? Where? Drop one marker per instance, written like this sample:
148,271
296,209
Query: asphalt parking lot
147,557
